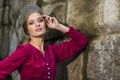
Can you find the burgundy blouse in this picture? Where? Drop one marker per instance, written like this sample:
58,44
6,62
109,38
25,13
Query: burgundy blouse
32,65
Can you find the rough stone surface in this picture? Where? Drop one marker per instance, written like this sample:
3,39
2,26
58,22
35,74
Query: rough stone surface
103,58
75,69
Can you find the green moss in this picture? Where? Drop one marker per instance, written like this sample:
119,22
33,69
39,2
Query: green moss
90,30
90,25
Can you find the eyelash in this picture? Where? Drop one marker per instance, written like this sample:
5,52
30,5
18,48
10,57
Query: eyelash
30,23
41,20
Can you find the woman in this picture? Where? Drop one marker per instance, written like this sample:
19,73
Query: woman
34,60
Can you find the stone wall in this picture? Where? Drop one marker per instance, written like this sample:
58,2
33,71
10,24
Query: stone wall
98,19
103,57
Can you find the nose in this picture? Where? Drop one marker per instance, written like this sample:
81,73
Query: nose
37,24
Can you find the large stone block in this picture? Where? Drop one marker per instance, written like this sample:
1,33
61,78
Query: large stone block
83,16
57,10
103,58
74,15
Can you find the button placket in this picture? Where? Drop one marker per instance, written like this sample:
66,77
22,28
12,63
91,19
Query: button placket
48,70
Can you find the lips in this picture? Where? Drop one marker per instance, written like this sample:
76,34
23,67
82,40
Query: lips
38,29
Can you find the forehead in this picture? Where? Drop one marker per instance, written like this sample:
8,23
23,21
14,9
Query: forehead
34,15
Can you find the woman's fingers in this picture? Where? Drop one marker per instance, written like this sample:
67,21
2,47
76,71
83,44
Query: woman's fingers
48,18
44,16
52,22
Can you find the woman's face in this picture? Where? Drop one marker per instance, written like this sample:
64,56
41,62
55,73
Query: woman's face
36,25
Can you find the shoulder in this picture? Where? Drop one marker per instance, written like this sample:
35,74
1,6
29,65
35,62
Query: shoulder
21,50
23,47
55,46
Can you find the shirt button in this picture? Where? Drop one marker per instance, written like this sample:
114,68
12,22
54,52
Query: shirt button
48,68
48,77
49,73
47,64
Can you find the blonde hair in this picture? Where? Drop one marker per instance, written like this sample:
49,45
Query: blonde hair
25,27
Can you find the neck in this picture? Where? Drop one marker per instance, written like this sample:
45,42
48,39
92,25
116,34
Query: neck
38,43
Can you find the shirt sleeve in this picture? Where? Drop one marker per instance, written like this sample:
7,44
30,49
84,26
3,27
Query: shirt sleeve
12,62
65,50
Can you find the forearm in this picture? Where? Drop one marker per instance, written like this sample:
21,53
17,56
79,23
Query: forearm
65,50
63,28
77,38
12,62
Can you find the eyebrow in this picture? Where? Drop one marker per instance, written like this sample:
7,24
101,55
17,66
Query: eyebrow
37,18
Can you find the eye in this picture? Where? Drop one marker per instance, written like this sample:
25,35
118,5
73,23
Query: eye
31,23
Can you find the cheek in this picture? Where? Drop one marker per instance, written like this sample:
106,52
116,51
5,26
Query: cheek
30,29
44,25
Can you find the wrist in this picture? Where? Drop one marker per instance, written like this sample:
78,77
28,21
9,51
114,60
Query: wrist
62,28
59,27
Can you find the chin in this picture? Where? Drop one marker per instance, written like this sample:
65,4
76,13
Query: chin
40,35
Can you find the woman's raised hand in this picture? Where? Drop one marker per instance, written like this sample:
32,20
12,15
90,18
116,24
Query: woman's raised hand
51,22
